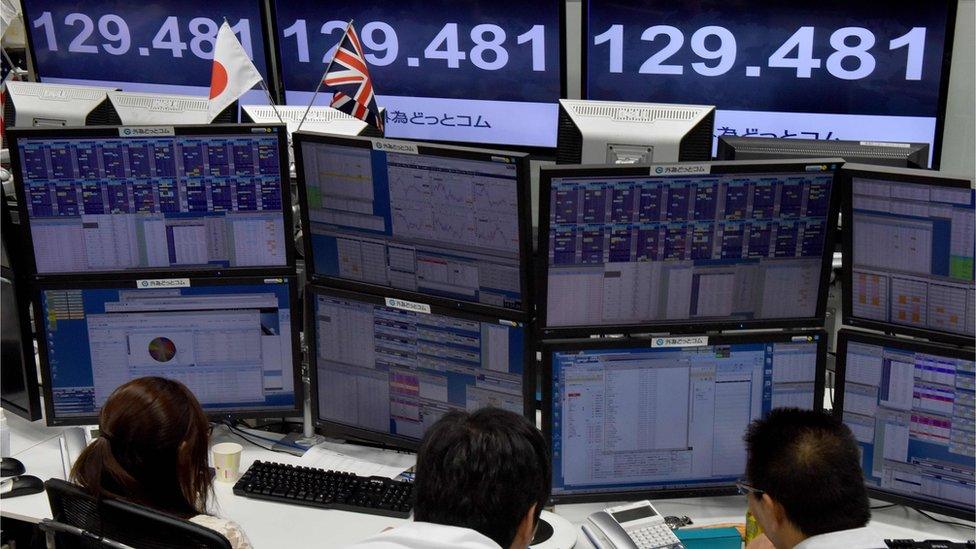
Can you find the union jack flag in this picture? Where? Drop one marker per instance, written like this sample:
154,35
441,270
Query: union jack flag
349,74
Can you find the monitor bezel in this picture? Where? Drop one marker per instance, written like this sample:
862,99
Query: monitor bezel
688,325
132,284
523,191
901,175
535,150
15,135
952,7
580,344
845,336
271,80
352,433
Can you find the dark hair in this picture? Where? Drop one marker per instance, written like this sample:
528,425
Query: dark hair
809,462
152,449
483,471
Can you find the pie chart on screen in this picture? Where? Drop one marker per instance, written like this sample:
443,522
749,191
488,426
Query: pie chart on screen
162,349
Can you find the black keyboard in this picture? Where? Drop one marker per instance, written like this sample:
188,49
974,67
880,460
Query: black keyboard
326,489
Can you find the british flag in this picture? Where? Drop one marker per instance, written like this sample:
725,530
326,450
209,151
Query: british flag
349,75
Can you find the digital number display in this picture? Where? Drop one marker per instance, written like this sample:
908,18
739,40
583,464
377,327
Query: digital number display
482,74
809,70
164,47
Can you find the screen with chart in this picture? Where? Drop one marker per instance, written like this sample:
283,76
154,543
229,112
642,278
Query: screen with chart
232,341
650,417
98,201
445,71
390,369
121,44
807,69
910,406
430,220
912,255
665,249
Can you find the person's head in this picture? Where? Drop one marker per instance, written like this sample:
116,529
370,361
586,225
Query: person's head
488,471
152,448
807,469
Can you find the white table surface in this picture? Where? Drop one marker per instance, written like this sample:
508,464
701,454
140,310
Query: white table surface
270,524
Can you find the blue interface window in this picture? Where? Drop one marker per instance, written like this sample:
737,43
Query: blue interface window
114,204
637,250
913,255
230,344
639,419
912,415
393,371
438,225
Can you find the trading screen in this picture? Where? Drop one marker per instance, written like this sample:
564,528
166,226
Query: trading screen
230,344
121,203
392,371
913,255
642,418
637,250
438,225
912,415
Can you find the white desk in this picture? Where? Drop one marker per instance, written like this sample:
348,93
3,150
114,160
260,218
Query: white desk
272,525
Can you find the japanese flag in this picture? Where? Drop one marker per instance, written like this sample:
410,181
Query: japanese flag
233,73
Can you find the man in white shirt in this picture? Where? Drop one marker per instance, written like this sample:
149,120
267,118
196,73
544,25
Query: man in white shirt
804,482
482,480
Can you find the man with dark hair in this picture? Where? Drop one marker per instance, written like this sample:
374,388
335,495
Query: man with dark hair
804,482
482,480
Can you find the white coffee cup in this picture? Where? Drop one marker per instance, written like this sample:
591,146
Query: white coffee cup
227,461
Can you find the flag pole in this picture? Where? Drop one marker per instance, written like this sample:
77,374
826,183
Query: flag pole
321,80
271,101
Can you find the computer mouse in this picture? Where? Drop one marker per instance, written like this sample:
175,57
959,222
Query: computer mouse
23,485
10,467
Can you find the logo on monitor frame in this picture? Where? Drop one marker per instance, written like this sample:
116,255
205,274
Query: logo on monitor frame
146,131
147,284
394,146
691,341
682,169
405,305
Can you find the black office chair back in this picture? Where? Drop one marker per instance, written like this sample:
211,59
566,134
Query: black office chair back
123,522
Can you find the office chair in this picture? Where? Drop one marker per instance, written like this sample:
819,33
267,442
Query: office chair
82,522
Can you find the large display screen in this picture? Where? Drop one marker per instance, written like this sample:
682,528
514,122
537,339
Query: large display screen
450,71
161,47
436,221
808,69
631,250
912,254
632,418
203,201
910,407
395,370
232,342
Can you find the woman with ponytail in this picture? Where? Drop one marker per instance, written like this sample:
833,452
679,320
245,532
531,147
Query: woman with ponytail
152,450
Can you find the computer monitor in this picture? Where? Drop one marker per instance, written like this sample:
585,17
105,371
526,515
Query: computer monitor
121,199
320,119
444,70
423,222
665,417
385,369
607,132
32,104
909,252
150,109
685,246
899,155
154,48
19,387
910,406
232,340
810,69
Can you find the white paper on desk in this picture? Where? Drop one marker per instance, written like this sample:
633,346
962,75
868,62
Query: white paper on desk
323,458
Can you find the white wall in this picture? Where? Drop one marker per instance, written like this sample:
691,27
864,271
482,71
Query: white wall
959,142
